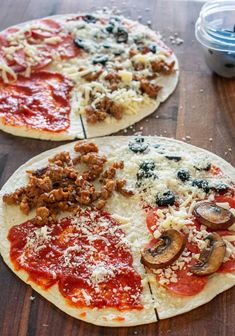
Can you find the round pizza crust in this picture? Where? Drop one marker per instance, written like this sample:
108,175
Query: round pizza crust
79,128
166,304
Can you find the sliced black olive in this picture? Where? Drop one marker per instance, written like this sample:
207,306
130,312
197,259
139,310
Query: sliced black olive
81,44
138,145
106,45
206,168
112,23
121,35
146,174
89,18
147,165
109,28
152,48
183,174
201,184
165,250
115,18
167,198
138,40
175,158
156,146
218,186
118,52
101,59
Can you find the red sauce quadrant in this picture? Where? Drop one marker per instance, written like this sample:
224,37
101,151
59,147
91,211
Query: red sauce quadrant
87,257
40,102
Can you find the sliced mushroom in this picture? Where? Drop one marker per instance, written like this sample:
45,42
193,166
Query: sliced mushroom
213,216
165,251
211,256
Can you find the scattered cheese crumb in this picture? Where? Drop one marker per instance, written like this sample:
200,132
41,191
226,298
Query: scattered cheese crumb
179,41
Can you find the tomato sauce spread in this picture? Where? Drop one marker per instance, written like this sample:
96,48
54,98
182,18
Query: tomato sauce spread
40,102
86,255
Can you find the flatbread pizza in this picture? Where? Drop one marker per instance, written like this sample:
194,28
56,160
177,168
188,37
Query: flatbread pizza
81,75
122,231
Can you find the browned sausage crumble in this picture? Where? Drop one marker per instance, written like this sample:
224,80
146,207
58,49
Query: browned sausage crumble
67,184
149,88
104,108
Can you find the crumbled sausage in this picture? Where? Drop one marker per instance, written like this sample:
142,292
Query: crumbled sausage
110,107
62,159
95,164
84,147
24,206
113,77
43,212
116,110
100,204
133,52
118,165
93,76
62,187
107,189
120,184
149,88
163,67
139,66
104,108
143,50
94,115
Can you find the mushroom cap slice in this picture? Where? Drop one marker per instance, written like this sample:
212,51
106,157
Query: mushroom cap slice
165,250
213,216
211,256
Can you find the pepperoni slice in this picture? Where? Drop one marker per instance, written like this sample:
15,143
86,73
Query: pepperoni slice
40,103
187,284
3,35
192,247
51,24
227,267
44,58
51,28
151,220
224,199
67,48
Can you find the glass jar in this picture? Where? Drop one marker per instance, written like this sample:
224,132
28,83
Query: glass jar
215,30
